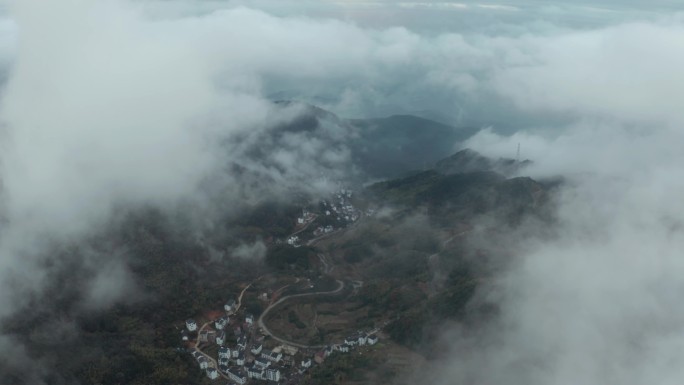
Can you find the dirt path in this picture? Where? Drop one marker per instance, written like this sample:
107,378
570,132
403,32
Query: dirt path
239,301
305,226
212,362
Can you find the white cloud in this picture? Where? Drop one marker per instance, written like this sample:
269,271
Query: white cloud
108,105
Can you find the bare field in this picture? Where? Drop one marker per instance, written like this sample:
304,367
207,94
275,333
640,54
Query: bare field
318,323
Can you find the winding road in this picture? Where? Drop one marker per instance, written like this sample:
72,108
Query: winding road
264,314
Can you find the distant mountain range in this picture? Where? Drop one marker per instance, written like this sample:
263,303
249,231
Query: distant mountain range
465,184
384,147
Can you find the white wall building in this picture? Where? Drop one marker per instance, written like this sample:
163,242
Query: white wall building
256,349
230,306
220,337
272,375
224,352
212,373
191,325
236,376
242,342
272,356
262,363
372,340
255,373
221,323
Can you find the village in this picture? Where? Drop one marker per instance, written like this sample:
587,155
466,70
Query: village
235,345
338,212
245,353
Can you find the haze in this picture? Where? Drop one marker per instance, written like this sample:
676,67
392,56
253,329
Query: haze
117,103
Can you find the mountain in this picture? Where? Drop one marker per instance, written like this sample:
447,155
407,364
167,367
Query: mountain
380,148
471,161
389,147
464,184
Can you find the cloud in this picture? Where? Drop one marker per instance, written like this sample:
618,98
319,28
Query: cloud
254,251
597,301
110,104
628,73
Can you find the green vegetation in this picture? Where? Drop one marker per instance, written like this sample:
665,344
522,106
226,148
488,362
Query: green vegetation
286,257
339,368
293,319
136,343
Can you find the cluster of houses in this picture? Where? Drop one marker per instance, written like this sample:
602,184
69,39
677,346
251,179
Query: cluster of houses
349,344
320,230
294,241
306,217
341,208
246,358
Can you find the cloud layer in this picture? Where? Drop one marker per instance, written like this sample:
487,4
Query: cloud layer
111,104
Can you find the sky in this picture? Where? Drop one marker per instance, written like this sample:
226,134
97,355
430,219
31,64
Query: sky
127,103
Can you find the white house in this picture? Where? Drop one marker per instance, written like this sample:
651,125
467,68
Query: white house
272,374
242,342
224,352
184,335
221,323
230,306
352,341
372,340
207,335
212,373
220,337
363,338
306,363
240,359
191,325
255,372
256,349
235,353
272,356
293,241
262,363
300,220
223,362
344,348
203,362
249,318
236,376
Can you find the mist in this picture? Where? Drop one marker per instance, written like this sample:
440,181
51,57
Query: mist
117,105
